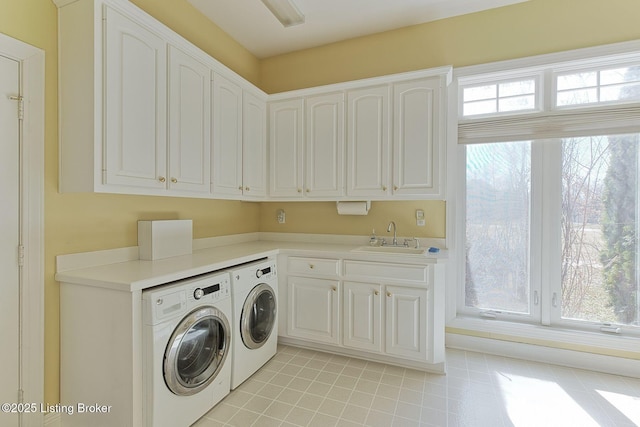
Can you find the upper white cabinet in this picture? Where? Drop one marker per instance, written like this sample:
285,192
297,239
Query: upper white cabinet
138,114
254,146
189,123
369,153
144,111
324,145
135,108
417,135
307,147
239,141
227,137
395,128
286,148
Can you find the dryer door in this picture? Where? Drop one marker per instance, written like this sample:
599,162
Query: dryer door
196,351
259,316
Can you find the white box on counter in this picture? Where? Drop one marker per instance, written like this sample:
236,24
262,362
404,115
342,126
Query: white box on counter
160,239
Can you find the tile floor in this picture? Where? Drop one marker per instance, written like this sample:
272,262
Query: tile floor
301,387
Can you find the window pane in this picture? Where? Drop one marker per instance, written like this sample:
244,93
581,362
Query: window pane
498,183
517,103
479,93
600,229
626,92
479,107
502,97
523,87
578,80
620,75
577,97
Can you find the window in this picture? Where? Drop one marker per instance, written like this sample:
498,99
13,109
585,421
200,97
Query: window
551,199
500,97
620,84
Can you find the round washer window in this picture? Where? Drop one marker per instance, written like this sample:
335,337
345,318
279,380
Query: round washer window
258,316
196,351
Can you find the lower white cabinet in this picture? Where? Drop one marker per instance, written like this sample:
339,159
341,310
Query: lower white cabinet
407,326
386,311
362,314
313,309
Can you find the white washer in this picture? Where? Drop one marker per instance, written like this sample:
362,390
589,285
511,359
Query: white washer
254,291
187,341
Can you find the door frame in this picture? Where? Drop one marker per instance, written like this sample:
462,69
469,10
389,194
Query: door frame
32,82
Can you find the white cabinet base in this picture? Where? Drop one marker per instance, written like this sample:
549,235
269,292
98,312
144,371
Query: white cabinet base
436,368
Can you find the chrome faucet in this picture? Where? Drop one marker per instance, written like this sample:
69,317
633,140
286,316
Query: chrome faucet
395,238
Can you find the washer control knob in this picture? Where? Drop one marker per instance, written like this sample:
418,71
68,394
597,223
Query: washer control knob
198,293
259,274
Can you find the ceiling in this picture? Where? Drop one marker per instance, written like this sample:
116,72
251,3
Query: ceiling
252,25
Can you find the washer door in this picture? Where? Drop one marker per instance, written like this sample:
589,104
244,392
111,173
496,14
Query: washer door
196,351
258,316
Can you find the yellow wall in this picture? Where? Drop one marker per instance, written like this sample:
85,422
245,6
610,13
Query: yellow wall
322,218
531,28
85,222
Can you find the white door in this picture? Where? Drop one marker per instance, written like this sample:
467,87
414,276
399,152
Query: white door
287,157
324,142
254,146
189,123
9,237
362,316
407,322
135,110
227,137
313,309
368,141
416,140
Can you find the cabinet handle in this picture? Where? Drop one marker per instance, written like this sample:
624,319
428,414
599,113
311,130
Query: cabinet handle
308,191
174,180
299,190
384,188
376,293
162,179
395,187
246,188
311,266
333,288
240,188
388,294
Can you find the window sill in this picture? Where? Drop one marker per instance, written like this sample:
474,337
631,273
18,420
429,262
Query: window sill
547,336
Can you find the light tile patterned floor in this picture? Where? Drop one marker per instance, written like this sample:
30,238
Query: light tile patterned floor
301,387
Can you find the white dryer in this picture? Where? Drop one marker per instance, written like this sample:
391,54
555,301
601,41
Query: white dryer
254,290
187,341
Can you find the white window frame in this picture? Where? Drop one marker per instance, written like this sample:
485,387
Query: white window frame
549,65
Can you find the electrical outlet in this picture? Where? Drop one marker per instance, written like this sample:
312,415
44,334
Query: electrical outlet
420,222
280,216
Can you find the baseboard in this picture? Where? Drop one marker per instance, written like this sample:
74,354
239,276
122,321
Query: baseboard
435,368
52,420
536,353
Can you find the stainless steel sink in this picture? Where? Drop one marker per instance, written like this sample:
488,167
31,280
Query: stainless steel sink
399,250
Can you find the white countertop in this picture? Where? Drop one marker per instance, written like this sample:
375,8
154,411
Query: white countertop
135,275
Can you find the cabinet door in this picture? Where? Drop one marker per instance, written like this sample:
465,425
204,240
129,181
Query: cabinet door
324,145
254,143
417,138
189,123
285,139
368,147
313,309
135,104
227,137
362,316
406,322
